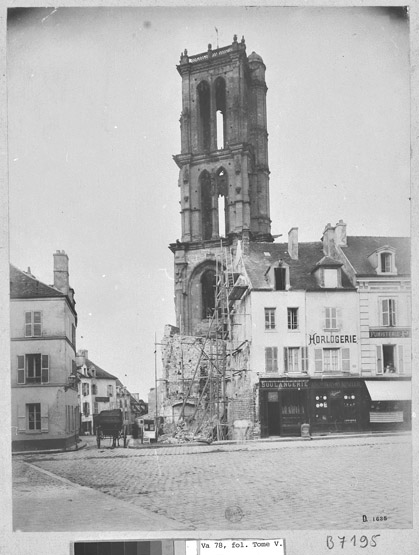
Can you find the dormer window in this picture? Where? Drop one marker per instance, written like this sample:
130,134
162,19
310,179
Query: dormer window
328,273
383,260
330,278
280,279
386,262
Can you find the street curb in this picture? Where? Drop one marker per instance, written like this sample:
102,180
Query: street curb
229,442
51,451
273,440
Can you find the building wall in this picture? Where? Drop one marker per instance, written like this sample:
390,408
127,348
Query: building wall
59,404
344,336
279,337
375,335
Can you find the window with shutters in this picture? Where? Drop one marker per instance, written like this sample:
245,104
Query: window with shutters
86,409
270,318
332,317
33,369
85,388
390,359
33,417
292,360
295,359
95,408
94,389
292,315
271,359
33,324
388,312
332,361
110,390
73,335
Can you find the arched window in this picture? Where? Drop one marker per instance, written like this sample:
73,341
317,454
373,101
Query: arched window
220,107
208,293
206,205
204,107
222,191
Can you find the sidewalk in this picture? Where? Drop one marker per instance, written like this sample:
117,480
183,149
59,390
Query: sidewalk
56,504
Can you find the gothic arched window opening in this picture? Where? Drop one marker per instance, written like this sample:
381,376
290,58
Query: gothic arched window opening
222,192
204,104
208,284
206,205
220,107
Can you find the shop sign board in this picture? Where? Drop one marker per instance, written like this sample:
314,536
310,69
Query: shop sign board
316,339
399,332
284,384
336,384
102,399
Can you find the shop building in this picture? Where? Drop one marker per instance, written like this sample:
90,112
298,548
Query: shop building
379,267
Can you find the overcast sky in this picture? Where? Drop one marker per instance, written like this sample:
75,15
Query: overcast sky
94,104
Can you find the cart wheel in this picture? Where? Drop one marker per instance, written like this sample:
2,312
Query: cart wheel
98,440
125,437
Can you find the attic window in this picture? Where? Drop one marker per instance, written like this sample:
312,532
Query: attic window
280,279
330,276
386,262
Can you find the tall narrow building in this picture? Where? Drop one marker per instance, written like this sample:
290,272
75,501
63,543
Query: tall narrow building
223,171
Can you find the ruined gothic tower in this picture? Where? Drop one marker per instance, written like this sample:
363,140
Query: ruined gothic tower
223,171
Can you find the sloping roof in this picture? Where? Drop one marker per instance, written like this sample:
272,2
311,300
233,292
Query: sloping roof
100,373
263,255
25,286
360,247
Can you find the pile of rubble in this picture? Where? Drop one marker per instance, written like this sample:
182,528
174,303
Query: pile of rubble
183,434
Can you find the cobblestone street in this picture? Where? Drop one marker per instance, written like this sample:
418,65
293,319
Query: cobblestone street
257,485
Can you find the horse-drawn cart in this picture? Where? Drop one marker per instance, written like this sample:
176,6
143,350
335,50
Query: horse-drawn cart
110,424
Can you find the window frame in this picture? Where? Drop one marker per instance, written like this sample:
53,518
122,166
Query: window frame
36,429
329,317
31,323
327,274
270,318
391,312
343,360
293,313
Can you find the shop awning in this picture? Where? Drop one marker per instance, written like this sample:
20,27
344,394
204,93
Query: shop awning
389,390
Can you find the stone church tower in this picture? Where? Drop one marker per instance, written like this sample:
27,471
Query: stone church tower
223,171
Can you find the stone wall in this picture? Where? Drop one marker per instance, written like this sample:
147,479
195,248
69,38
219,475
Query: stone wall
187,362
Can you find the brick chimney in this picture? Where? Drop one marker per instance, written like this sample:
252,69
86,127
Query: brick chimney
340,234
61,280
293,243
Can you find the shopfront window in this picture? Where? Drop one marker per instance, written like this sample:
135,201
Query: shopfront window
321,406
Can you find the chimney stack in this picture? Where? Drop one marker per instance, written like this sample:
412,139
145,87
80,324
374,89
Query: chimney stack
340,234
293,243
61,280
328,240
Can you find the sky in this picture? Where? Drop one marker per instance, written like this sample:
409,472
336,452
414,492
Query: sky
94,101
